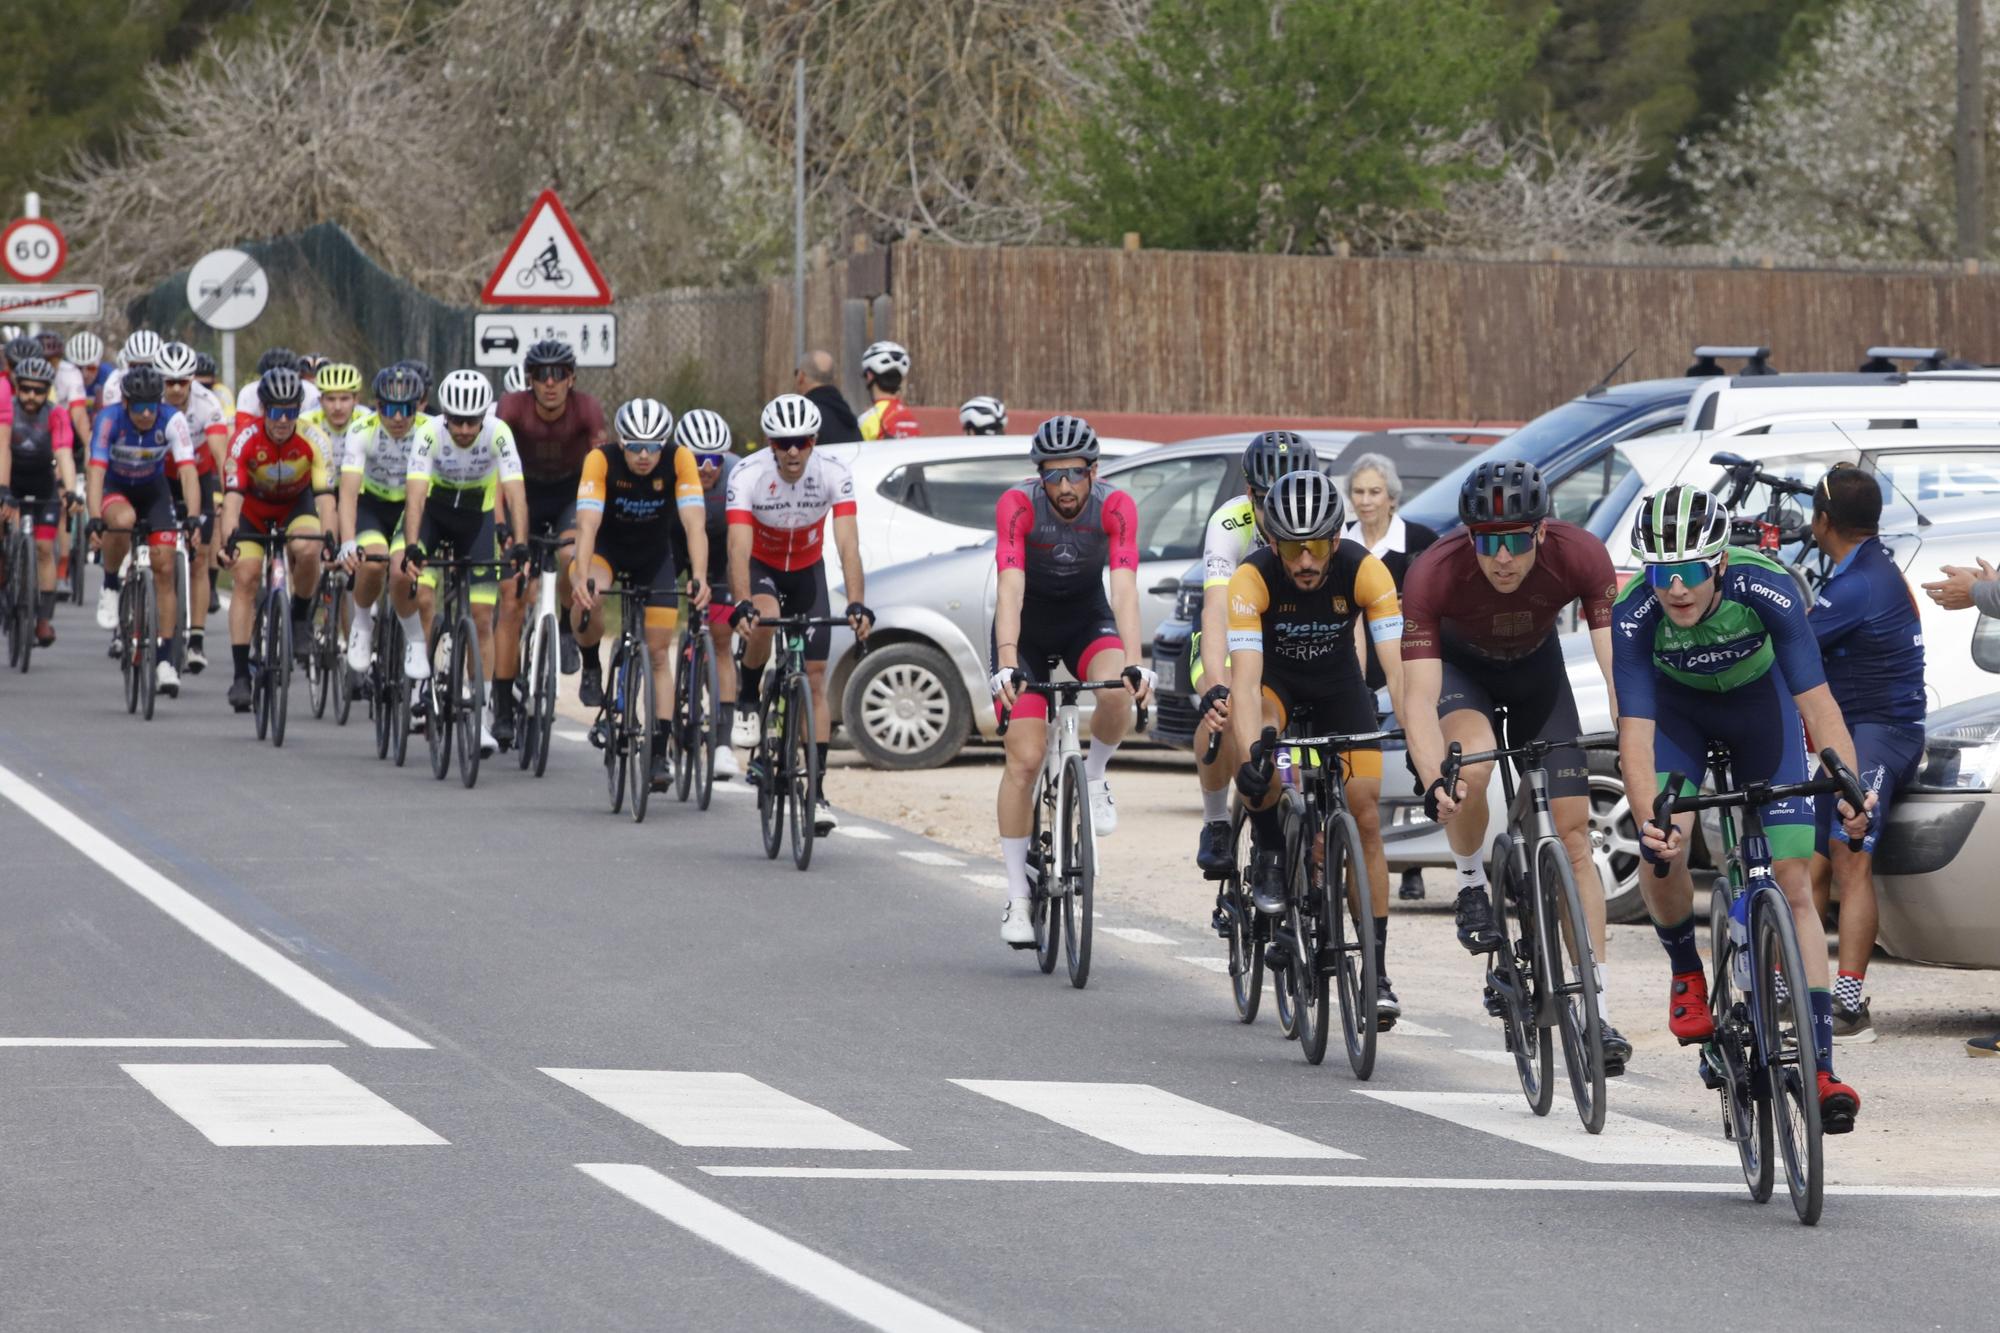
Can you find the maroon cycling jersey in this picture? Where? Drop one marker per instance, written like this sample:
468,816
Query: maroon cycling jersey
1449,606
553,451
1063,558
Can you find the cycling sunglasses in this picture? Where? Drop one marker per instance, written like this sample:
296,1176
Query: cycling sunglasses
463,423
135,406
281,413
1076,474
1691,573
1514,543
792,444
25,387
708,460
643,446
550,374
398,409
1319,548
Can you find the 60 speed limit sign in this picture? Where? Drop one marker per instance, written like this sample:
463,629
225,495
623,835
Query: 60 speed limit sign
32,249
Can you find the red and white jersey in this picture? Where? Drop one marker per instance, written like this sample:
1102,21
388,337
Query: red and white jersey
68,389
787,519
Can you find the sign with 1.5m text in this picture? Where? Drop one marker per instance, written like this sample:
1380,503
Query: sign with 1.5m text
502,340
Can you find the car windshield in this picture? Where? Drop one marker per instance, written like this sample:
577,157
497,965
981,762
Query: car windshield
1578,419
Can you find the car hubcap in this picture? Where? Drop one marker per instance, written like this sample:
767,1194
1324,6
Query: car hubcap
904,708
1614,836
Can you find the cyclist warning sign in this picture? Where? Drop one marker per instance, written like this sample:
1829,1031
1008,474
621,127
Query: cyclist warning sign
547,264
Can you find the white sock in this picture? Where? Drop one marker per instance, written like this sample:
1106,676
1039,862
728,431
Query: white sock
1603,997
1471,869
364,621
1214,805
1098,761
413,628
1014,851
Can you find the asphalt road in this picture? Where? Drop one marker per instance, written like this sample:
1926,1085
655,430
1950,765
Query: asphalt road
295,1039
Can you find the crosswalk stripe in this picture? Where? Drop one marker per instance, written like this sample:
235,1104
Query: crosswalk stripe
279,1106
1149,1120
1626,1140
699,1109
1207,961
931,858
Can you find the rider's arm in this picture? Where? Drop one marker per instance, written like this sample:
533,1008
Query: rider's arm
1121,527
1375,594
739,561
1635,763
588,521
350,503
1600,644
742,529
415,489
692,503
1013,586
191,489
1246,597
847,542
1423,667
1222,547
514,494
1013,519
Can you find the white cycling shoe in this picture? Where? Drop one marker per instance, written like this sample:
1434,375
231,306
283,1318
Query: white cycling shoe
167,680
416,662
725,763
1103,814
107,609
1016,925
743,731
358,639
488,747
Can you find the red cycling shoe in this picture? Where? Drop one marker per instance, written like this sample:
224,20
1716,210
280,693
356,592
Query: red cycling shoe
1838,1105
1687,1008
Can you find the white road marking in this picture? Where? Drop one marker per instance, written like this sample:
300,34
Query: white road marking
1489,1054
279,1106
1208,961
931,858
985,881
864,833
860,1298
1626,1140
1149,1120
1134,935
1320,1182
565,734
212,1043
719,1110
1409,1029
308,991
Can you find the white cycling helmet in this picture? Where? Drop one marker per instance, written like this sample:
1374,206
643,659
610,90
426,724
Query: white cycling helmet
704,432
1680,523
465,393
176,361
645,421
142,347
1303,506
884,357
984,415
85,349
516,379
788,417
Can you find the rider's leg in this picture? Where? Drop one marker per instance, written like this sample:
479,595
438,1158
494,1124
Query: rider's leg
662,624
166,596
1027,734
246,581
1572,820
1111,719
756,652
305,565
725,663
118,513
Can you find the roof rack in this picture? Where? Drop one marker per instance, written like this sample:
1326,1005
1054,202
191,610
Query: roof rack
1756,360
1883,359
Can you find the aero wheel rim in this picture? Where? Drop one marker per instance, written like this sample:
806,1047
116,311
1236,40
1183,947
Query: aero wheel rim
905,708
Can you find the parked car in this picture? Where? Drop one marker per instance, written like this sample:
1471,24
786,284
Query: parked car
1934,885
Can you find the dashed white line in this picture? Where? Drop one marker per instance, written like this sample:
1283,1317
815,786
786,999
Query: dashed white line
982,880
1135,935
1409,1029
279,1106
931,858
1144,1119
178,1043
1207,961
1626,1140
704,1109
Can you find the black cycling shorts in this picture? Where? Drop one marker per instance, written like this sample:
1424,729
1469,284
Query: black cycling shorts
551,507
1052,635
209,496
468,532
375,516
1535,692
38,495
800,592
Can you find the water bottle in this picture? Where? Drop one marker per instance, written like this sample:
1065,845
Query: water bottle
1739,943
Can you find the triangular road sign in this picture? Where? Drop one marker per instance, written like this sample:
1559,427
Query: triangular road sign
547,264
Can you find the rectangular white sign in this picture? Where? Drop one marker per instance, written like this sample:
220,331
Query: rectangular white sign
51,303
501,340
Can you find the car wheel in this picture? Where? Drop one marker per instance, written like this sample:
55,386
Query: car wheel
1614,842
904,707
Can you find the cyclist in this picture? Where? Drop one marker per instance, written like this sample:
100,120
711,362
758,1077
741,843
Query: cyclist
68,390
85,351
206,372
554,426
310,365
1293,608
1233,530
1713,645
279,479
983,415
883,368
1059,532
135,441
37,469
139,349
1479,614
624,524
460,466
250,403
706,435
778,501
209,426
372,488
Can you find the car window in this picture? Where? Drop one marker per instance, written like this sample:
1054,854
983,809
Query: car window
1576,497
1175,497
1918,475
1572,423
961,491
1807,468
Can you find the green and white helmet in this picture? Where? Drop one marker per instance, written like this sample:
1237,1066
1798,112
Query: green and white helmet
1680,523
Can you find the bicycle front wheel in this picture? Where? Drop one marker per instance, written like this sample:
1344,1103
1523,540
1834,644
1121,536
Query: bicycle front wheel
468,700
708,732
1348,923
542,690
1246,951
278,665
1512,972
25,584
438,720
79,558
527,731
638,728
318,678
802,772
147,626
128,642
1571,974
767,760
1746,1116
1078,870
1783,1027
1043,885
1304,923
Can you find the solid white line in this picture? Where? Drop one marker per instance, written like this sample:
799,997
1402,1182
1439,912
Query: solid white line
308,991
1207,961
279,1106
1318,1182
1626,1140
218,1043
931,858
719,1110
1149,1120
860,1298
1134,935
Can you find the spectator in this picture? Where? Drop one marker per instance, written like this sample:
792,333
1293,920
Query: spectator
837,422
1866,624
884,367
1374,491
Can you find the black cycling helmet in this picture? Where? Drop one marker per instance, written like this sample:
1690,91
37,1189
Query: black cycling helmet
21,348
1274,453
143,384
204,364
1061,438
550,352
311,363
280,386
421,369
398,384
1504,492
33,370
276,357
51,344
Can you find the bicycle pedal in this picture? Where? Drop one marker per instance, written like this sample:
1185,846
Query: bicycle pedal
597,737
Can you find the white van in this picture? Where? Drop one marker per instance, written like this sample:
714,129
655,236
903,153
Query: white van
1851,398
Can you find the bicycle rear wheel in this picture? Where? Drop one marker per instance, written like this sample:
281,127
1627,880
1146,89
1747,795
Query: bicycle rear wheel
438,720
1746,1116
802,772
1043,884
318,679
680,729
1784,1033
543,688
768,758
184,593
468,700
1513,966
1079,871
1348,923
1246,951
343,684
147,625
1310,984
278,665
401,697
79,556
708,732
638,728
128,641
23,585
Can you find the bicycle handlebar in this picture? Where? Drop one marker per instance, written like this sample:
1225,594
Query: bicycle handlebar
1534,751
1840,779
1052,689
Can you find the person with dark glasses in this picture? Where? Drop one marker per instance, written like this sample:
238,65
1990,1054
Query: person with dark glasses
706,436
1480,610
1712,644
373,471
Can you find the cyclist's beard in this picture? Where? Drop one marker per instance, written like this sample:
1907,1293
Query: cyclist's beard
1070,505
1307,579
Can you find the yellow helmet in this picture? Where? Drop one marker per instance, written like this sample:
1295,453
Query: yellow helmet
339,378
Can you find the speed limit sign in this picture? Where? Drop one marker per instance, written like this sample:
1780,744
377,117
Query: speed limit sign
32,249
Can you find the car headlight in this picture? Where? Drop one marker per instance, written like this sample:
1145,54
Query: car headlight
1962,747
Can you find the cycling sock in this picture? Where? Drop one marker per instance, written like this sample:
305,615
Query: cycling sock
659,743
1603,997
1678,941
822,747
45,606
1014,851
166,648
1471,870
746,688
239,653
364,617
1098,761
1270,831
1821,1001
591,657
1847,989
413,628
301,607
503,705
196,638
1214,805
1381,944
112,583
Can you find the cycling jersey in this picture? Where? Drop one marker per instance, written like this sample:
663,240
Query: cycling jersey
1450,608
206,422
787,519
436,460
635,508
270,472
1865,620
68,388
1232,533
128,454
250,402
889,420
553,451
1065,558
38,437
1300,630
381,460
1758,623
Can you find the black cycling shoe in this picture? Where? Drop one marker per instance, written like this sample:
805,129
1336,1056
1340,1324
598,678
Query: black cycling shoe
1615,1049
1475,920
1213,853
572,656
239,694
1278,953
663,772
503,718
1387,1007
1267,883
590,687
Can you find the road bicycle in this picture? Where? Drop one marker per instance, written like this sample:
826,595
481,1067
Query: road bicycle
20,591
697,722
534,683
77,525
326,656
136,643
384,685
455,694
624,726
1062,846
1761,1058
271,645
784,764
1542,980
